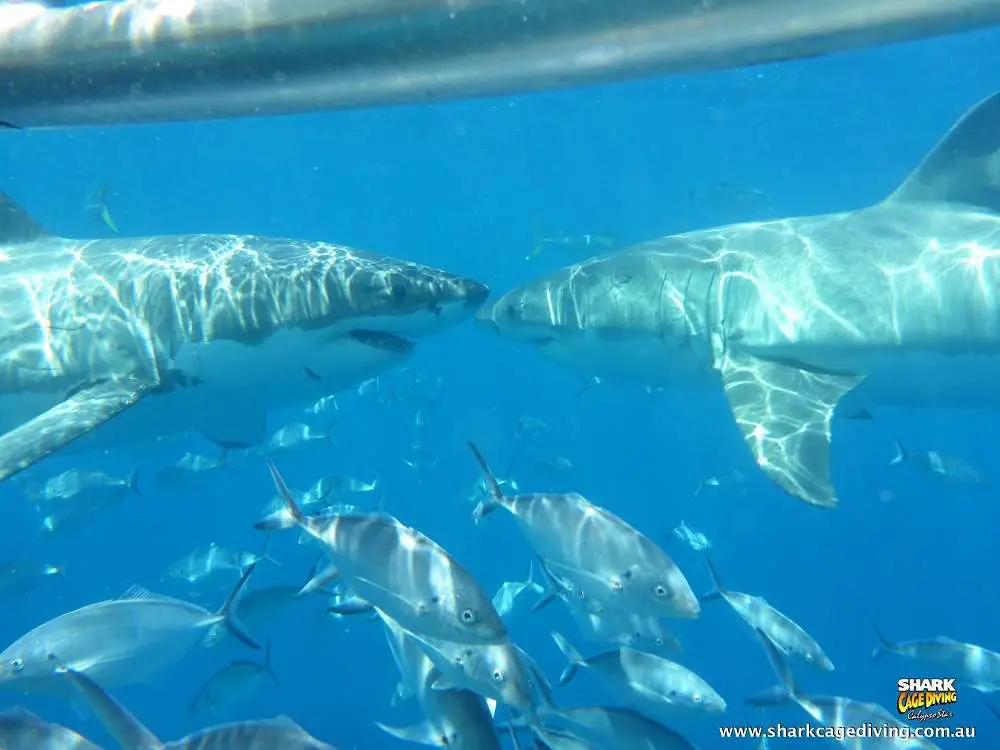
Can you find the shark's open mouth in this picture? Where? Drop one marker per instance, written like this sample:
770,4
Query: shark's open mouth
383,340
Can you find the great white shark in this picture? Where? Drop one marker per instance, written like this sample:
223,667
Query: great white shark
125,339
896,304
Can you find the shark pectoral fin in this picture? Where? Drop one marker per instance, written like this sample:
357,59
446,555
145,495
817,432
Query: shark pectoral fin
62,424
784,413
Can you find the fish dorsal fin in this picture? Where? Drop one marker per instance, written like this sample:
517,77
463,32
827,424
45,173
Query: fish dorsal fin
284,720
138,593
964,167
16,224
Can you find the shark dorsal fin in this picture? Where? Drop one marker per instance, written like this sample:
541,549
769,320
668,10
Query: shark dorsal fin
964,167
16,224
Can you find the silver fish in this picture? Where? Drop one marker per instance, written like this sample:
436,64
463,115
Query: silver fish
401,571
493,670
509,591
280,733
23,576
188,472
296,434
121,641
22,730
233,685
651,682
560,526
457,719
203,563
781,630
618,728
951,468
835,711
976,667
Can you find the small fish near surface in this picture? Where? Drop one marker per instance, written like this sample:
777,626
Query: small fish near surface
796,319
196,332
280,733
121,641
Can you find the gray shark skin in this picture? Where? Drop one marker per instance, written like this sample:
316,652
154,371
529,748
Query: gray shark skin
196,331
898,303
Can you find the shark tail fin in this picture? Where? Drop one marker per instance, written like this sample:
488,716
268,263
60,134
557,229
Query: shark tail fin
16,224
885,645
964,167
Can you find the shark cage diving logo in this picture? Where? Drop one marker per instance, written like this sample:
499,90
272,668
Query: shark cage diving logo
925,699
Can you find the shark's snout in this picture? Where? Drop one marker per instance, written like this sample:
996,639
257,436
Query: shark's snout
475,294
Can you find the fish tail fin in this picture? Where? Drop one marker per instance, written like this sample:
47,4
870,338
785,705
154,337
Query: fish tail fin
133,482
266,553
318,580
572,656
496,498
374,485
788,689
549,590
295,515
227,616
268,669
718,590
61,569
901,454
885,645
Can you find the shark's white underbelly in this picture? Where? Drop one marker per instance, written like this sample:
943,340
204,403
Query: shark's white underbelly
894,376
226,389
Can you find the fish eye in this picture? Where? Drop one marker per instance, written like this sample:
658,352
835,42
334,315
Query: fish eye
512,310
696,698
17,664
497,675
660,590
468,616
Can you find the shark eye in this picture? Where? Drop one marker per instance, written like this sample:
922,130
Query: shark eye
660,590
497,675
17,664
512,310
468,616
398,290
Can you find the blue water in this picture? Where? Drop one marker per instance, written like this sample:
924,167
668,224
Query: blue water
464,186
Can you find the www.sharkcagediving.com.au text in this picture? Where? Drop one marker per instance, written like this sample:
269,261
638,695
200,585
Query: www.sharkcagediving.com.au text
861,731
